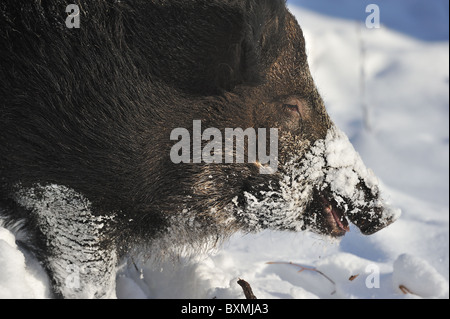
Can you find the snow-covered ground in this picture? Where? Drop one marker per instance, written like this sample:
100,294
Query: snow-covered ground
396,113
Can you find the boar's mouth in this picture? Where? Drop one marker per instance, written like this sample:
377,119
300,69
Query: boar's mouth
326,215
335,217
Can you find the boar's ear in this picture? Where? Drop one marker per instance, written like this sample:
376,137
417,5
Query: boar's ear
268,25
207,47
237,65
250,45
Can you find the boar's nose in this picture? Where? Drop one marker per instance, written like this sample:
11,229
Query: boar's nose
370,221
372,214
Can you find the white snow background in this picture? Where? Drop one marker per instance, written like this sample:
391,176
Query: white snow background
388,89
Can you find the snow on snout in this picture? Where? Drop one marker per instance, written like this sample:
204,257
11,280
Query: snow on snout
345,168
333,166
330,166
344,173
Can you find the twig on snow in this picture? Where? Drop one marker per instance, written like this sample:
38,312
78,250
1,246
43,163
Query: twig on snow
248,292
405,290
303,268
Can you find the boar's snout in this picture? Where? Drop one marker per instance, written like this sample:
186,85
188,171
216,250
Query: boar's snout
325,215
322,190
343,189
375,222
374,216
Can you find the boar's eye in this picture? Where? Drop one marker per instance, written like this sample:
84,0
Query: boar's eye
295,107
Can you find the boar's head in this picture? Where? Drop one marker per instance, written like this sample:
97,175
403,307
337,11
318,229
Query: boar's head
263,81
111,93
321,183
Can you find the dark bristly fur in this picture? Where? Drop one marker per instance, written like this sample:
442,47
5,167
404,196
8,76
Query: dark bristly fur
91,109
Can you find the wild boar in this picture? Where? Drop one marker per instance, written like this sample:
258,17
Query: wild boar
87,116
